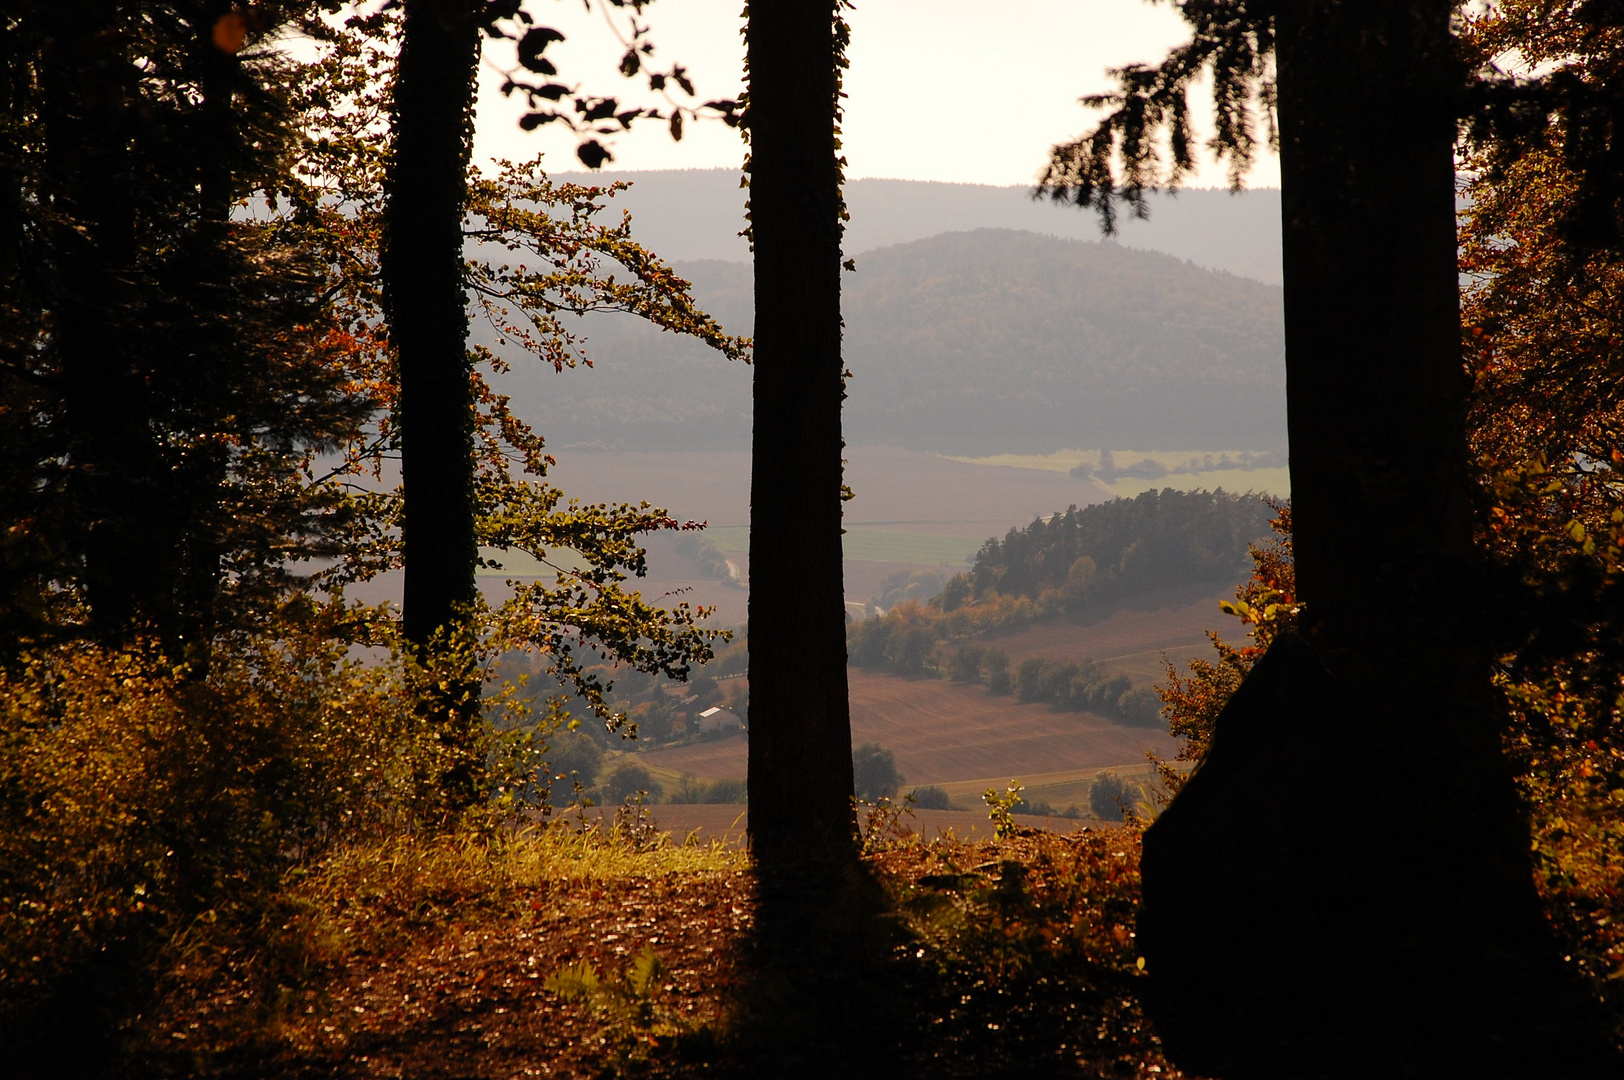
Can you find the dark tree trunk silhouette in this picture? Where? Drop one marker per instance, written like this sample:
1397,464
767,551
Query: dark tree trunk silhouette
824,1001
1344,887
428,319
800,725
115,475
428,326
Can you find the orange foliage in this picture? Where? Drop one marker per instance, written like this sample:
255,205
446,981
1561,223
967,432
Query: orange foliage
1266,605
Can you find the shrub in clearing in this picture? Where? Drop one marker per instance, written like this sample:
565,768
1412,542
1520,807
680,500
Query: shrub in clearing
136,797
1110,797
1028,680
965,665
690,791
1140,708
725,791
874,772
995,663
624,781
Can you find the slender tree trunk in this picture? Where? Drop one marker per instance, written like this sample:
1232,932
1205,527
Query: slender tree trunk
800,724
428,324
1344,888
207,463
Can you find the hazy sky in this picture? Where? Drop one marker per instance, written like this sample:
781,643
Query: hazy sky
954,90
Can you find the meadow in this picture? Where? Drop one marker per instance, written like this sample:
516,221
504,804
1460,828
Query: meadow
1266,481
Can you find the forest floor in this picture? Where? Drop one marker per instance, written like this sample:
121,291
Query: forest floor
558,954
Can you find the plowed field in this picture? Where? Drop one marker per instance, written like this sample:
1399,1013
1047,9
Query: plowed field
943,731
1133,637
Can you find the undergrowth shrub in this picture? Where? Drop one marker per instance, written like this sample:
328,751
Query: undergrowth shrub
138,798
690,791
1029,955
1111,798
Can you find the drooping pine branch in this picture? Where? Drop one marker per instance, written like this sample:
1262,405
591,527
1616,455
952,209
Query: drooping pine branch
1123,158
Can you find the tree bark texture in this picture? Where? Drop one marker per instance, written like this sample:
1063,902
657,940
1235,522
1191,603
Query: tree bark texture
1344,887
800,725
428,319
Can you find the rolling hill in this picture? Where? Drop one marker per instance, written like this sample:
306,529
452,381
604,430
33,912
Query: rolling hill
689,214
985,342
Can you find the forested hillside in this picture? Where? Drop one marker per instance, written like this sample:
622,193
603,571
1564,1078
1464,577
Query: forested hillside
1120,547
990,341
1068,566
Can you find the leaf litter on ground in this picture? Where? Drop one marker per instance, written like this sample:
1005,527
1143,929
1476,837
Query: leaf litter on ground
569,954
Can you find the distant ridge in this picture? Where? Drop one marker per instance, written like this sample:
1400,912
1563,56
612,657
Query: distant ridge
698,213
982,342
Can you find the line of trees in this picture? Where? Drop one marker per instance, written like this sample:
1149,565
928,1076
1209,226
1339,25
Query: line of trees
1064,566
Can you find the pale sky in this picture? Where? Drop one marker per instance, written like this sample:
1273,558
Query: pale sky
952,90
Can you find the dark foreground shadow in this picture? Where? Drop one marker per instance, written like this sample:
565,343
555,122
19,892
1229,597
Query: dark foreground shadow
1343,892
944,961
826,991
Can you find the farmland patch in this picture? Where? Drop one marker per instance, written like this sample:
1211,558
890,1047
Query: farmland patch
943,732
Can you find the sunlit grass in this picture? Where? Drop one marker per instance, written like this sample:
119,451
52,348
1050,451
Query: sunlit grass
529,858
374,894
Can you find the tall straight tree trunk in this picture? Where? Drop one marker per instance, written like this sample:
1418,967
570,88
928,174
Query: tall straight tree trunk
428,325
1344,888
199,573
800,724
116,475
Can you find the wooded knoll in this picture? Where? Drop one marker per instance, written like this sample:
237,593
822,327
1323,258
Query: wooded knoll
984,342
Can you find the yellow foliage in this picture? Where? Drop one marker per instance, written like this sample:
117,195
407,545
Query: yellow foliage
139,797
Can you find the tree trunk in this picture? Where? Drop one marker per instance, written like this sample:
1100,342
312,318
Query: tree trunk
116,485
1343,888
428,326
800,724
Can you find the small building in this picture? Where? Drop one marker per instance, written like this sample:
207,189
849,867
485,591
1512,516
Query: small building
717,718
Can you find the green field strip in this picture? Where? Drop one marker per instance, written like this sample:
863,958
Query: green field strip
728,537
1276,482
1268,481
